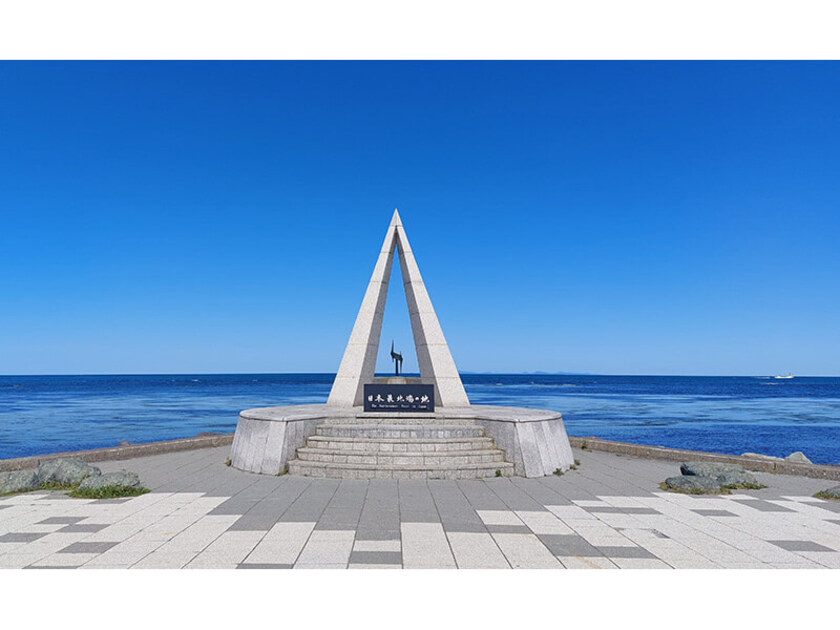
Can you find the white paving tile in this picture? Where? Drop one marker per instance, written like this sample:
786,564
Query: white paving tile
525,551
424,545
543,522
499,517
570,512
476,550
581,562
327,547
282,544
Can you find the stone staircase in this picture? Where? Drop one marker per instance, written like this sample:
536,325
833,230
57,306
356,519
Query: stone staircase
400,448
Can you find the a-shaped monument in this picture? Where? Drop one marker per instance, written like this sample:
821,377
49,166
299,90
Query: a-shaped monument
400,427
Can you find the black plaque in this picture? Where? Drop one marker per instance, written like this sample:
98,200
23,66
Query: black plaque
396,398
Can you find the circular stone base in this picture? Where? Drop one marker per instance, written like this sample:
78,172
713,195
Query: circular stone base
534,441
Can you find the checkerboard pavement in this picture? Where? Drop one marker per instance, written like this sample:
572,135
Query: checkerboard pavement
608,514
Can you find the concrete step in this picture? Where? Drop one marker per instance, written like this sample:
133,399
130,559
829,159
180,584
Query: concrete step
393,460
400,431
396,445
398,418
372,471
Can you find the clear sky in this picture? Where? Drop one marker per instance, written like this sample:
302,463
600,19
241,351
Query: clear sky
638,218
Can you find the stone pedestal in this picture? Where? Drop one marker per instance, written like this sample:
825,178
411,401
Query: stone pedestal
524,442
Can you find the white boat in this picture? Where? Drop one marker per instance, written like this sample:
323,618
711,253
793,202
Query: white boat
788,376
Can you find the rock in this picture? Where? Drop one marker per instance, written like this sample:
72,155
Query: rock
696,483
798,458
67,471
726,474
760,456
830,493
122,478
18,481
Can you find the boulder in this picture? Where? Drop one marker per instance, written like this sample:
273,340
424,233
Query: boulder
831,493
798,458
67,471
123,478
693,483
18,481
725,474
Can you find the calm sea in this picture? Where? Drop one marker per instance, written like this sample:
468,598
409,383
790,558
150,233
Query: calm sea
44,414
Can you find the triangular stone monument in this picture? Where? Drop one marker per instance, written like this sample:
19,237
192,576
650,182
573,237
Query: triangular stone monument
433,357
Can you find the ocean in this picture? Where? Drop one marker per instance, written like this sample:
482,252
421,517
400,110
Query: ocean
46,414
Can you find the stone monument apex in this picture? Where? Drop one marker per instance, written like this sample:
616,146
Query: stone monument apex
437,367
399,427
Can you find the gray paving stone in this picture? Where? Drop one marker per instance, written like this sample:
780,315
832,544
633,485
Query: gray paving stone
568,545
21,537
380,515
540,492
49,567
620,510
464,526
252,522
762,506
711,512
456,513
508,529
416,503
376,557
512,496
625,552
311,503
62,520
82,528
88,547
335,518
480,496
264,566
233,506
345,508
116,501
799,545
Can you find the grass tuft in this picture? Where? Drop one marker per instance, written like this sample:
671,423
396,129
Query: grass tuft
822,494
744,486
558,472
107,492
723,490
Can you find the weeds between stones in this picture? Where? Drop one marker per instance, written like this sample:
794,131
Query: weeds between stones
107,492
723,489
822,494
228,462
558,472
745,486
498,472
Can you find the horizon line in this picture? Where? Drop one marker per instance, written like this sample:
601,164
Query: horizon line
463,373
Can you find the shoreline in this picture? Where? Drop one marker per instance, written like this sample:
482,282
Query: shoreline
641,451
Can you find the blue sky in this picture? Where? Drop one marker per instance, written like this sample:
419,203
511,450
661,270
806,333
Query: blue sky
625,218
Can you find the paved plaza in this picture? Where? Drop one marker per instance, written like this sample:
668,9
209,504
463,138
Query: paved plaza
610,513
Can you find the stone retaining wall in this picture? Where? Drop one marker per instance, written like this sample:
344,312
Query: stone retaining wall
130,451
815,471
